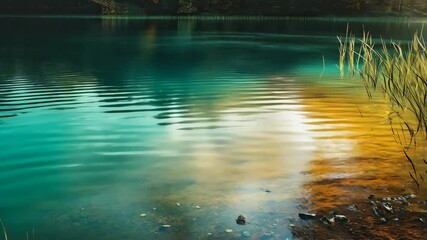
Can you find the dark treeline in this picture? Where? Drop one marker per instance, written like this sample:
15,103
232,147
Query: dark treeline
217,7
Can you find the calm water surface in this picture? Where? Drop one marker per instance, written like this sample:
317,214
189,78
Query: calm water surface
189,122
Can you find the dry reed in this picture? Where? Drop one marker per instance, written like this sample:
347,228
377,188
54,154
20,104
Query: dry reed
400,73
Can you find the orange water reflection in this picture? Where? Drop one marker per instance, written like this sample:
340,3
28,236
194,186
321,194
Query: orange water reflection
356,153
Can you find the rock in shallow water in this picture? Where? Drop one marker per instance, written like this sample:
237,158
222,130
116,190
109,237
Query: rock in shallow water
387,207
307,216
410,196
164,227
376,211
325,220
340,218
352,207
241,220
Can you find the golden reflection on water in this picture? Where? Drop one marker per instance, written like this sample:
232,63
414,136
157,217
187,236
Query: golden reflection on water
334,133
356,154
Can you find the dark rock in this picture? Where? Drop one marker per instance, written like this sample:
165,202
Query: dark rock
410,196
267,190
333,212
383,220
372,196
352,207
241,220
387,207
325,220
340,218
307,216
377,211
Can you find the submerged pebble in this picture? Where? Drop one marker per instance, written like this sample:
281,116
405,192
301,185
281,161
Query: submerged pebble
376,211
352,207
340,218
229,230
325,220
410,196
143,215
241,220
307,216
387,207
246,234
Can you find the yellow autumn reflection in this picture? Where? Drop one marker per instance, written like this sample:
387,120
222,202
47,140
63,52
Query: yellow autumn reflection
356,153
332,139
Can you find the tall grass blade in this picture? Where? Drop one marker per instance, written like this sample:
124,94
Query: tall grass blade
4,230
399,72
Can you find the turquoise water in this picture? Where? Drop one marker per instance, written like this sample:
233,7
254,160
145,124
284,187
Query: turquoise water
186,121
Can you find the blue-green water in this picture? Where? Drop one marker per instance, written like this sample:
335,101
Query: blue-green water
185,121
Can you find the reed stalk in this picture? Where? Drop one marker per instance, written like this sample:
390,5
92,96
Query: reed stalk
398,71
4,229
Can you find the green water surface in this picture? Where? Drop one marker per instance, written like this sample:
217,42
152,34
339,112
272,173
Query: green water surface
187,121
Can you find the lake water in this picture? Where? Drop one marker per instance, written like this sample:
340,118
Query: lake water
188,122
